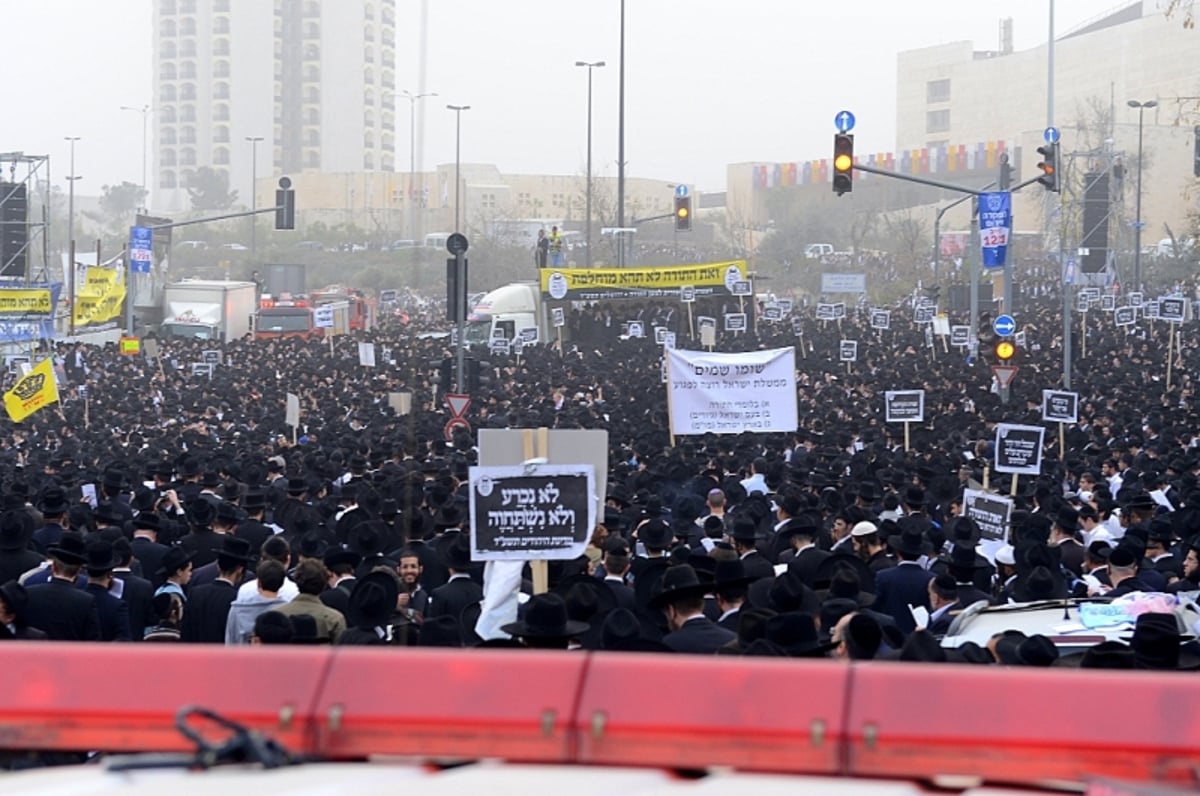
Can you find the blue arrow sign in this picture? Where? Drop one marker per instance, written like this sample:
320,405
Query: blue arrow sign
1050,134
1004,325
844,121
681,191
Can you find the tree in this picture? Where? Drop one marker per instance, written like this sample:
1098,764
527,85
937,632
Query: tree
209,190
1186,9
120,202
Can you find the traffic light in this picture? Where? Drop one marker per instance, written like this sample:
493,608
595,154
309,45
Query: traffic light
1005,351
445,374
843,163
285,205
1049,166
683,214
479,375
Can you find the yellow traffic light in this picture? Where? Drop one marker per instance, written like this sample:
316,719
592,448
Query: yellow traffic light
1005,350
683,213
842,162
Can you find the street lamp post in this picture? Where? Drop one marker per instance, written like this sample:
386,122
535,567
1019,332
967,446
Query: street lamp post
71,178
458,109
588,231
621,144
253,139
145,111
412,156
1137,226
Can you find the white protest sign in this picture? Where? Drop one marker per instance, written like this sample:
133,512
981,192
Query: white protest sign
904,406
1019,449
1060,407
732,393
520,514
292,414
366,355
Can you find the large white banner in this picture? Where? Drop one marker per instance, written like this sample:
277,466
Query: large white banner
732,393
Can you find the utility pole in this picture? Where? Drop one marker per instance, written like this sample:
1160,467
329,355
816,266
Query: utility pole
253,139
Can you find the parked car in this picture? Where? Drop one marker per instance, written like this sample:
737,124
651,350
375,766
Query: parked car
309,245
237,247
192,244
396,245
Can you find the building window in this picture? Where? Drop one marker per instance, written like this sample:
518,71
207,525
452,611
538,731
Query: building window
312,74
558,200
312,52
221,6
387,143
187,135
221,46
167,157
169,50
221,155
166,179
167,135
369,32
188,48
523,199
312,30
186,176
312,138
489,200
221,25
187,6
166,7
221,134
386,162
369,54
168,72
369,161
187,113
312,94
166,114
937,121
369,140
187,91
166,27
167,93
312,116
221,112
312,160
369,75
369,11
221,69
187,70
221,90
937,91
312,9
187,27
187,157
368,118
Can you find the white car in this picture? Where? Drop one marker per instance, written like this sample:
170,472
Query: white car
237,247
192,244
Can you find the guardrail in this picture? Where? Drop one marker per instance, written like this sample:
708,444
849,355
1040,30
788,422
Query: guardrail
911,721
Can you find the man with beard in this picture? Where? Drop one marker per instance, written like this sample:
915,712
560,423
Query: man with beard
413,599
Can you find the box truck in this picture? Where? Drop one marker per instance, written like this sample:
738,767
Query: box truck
209,309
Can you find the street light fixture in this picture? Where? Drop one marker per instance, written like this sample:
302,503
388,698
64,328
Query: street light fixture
458,109
1137,227
253,139
145,111
412,156
588,230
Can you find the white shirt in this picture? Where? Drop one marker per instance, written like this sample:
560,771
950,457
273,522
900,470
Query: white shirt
287,592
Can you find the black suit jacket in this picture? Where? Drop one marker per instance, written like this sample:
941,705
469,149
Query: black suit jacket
253,532
699,636
15,563
139,596
338,598
206,613
453,597
757,566
623,593
150,555
806,563
203,545
899,586
63,611
113,613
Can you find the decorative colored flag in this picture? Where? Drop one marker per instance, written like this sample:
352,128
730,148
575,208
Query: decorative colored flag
36,389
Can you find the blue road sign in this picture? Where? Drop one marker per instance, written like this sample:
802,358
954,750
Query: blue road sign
1004,325
844,121
1050,134
681,191
141,244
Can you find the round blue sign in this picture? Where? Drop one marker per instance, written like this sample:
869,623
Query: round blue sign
1050,134
1004,325
844,121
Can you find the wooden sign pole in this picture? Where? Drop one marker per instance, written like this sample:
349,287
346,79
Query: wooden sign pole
1170,354
670,424
1062,441
1012,492
538,568
987,476
691,323
906,425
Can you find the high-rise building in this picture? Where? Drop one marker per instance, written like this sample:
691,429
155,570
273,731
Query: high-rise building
314,79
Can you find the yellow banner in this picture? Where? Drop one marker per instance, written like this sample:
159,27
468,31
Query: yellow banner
589,284
35,390
25,302
100,299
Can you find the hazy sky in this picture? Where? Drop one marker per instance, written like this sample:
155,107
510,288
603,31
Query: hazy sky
708,82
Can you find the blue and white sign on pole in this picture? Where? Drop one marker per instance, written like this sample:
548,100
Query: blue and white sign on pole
1004,326
1069,271
844,121
1050,134
141,246
681,191
995,224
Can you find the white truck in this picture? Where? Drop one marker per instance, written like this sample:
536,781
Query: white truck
209,309
509,308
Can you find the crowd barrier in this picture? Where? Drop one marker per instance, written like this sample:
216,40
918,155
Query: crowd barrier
910,721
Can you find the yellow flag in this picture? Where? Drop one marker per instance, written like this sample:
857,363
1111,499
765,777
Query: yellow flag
35,390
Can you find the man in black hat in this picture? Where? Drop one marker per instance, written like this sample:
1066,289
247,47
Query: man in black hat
14,607
137,592
146,548
16,554
730,587
744,536
905,584
54,511
207,611
943,599
453,597
342,564
546,624
369,610
1123,572
112,611
1063,536
617,563
253,529
63,611
681,599
202,542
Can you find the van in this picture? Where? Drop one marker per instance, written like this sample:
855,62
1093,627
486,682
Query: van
815,251
436,240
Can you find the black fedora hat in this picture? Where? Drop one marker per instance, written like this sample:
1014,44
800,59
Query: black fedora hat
113,479
455,549
909,541
175,559
54,501
622,632
1039,583
106,513
731,574
1156,641
201,513
679,582
655,534
962,557
296,486
964,531
70,549
15,597
845,583
367,538
546,618
101,556
235,548
829,567
16,528
440,631
796,633
585,594
147,521
312,545
254,499
372,600
337,556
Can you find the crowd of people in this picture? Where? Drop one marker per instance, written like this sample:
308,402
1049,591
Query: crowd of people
154,503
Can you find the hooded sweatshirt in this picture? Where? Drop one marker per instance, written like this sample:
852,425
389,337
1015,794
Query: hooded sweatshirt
242,613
